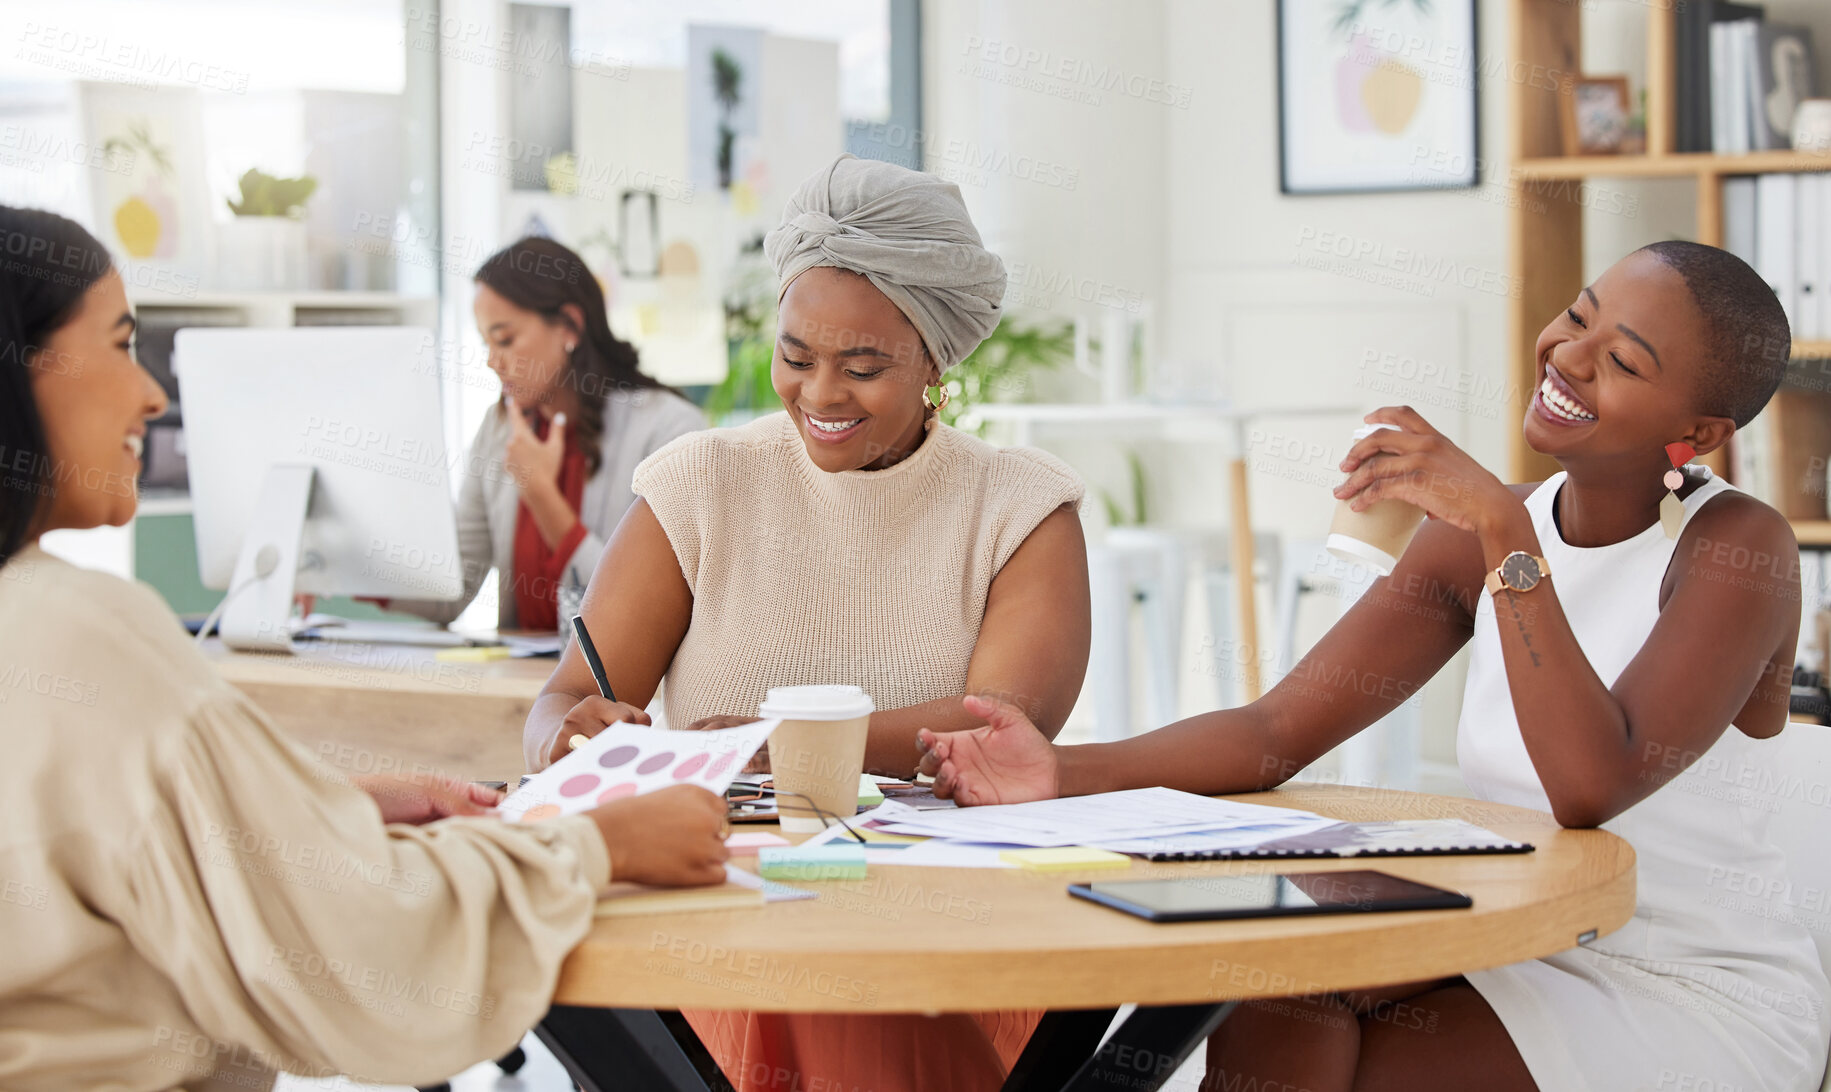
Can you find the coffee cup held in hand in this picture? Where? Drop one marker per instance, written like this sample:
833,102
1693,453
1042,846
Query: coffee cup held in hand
817,751
1376,536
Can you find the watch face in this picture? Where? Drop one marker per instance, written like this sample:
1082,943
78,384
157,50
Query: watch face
1520,571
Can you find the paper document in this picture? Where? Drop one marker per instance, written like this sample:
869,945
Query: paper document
1095,820
1247,836
631,759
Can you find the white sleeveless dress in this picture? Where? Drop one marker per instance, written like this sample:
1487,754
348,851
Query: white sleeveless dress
1690,994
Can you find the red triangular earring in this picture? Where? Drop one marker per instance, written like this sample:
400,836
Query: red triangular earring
1671,509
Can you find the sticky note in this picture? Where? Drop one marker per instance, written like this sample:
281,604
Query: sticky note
747,843
869,795
828,862
1064,859
473,654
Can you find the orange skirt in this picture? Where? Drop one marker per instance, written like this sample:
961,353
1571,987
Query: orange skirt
796,1052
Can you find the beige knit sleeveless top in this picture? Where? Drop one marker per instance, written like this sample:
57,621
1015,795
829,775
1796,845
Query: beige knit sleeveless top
877,578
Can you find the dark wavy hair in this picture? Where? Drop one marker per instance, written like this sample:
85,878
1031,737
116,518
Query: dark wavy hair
540,275
47,264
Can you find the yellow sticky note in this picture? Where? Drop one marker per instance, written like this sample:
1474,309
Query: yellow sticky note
1064,859
473,654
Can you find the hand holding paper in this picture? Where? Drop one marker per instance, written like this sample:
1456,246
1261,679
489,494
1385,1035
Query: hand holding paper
671,838
629,760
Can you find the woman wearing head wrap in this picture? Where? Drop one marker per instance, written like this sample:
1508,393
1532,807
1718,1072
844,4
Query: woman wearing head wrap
854,539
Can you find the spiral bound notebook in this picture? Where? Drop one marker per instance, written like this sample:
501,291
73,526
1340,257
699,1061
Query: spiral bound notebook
1402,838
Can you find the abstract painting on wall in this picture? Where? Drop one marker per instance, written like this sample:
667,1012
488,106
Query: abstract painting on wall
1377,95
151,207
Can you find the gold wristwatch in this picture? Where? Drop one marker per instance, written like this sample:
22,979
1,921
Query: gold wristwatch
1519,571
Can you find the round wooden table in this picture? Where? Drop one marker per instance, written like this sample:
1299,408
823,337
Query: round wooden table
907,939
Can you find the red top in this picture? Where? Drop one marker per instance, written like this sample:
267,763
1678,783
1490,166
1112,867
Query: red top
538,567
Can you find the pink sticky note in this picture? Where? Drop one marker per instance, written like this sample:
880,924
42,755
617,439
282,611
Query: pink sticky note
747,844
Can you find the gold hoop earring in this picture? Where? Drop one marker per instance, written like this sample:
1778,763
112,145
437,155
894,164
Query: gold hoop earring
937,407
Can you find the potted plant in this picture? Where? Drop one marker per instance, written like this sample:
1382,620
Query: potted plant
263,246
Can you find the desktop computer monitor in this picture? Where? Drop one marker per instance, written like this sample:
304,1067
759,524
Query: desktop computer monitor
318,465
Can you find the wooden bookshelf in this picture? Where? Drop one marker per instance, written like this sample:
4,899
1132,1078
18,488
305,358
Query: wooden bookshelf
1546,232
1674,165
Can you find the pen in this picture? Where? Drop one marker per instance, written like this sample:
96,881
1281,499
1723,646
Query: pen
591,656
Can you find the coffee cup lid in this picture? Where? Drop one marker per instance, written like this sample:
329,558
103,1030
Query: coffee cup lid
816,703
1365,431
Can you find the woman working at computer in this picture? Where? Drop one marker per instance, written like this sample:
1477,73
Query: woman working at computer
187,899
548,475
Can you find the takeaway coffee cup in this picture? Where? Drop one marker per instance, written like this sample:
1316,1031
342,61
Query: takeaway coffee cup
818,751
1374,537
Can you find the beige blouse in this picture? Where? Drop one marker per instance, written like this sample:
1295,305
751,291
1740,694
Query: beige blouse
876,578
188,900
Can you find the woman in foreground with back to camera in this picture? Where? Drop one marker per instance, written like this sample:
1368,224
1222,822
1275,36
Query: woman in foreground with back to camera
853,539
1619,668
190,899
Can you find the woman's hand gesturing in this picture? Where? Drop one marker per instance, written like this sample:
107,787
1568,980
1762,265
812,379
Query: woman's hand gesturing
1007,762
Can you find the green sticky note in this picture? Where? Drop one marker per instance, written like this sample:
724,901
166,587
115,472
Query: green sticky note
869,795
1064,858
828,862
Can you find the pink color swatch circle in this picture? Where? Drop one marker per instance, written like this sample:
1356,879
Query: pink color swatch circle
720,765
691,766
579,785
617,792
655,762
617,756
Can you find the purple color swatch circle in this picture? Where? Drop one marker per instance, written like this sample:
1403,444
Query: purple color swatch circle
691,766
617,756
617,792
719,765
578,785
655,762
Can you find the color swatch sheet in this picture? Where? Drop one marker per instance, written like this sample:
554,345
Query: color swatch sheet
631,759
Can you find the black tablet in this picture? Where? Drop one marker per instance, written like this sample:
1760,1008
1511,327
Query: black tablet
1268,895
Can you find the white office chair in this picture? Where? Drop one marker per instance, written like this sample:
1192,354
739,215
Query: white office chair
1149,567
1802,755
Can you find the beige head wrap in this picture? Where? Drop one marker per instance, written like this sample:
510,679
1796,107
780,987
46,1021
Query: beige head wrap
910,234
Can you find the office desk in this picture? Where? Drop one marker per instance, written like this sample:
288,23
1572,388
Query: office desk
931,940
368,708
